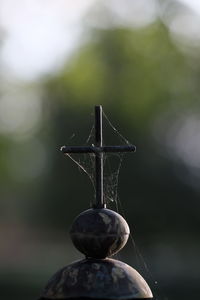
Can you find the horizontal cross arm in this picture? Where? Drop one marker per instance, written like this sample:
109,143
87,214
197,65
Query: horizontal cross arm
94,149
128,148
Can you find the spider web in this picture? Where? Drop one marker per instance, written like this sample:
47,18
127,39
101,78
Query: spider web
112,165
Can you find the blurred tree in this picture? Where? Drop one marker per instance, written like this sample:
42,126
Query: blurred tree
138,76
149,88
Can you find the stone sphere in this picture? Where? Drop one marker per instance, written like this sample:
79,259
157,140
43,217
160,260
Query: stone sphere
97,279
99,233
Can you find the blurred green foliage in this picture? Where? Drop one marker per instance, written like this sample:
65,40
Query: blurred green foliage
138,76
145,84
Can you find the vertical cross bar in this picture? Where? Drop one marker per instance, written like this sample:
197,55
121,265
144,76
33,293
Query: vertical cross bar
98,149
99,158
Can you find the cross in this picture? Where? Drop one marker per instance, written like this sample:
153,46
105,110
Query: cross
98,149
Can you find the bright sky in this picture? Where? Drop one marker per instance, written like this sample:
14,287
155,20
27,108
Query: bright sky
39,35
194,4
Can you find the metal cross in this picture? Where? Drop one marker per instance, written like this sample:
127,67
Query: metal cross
98,149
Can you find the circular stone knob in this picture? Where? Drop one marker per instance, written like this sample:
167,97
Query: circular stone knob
99,233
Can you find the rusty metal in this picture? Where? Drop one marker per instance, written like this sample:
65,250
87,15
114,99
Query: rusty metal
97,279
